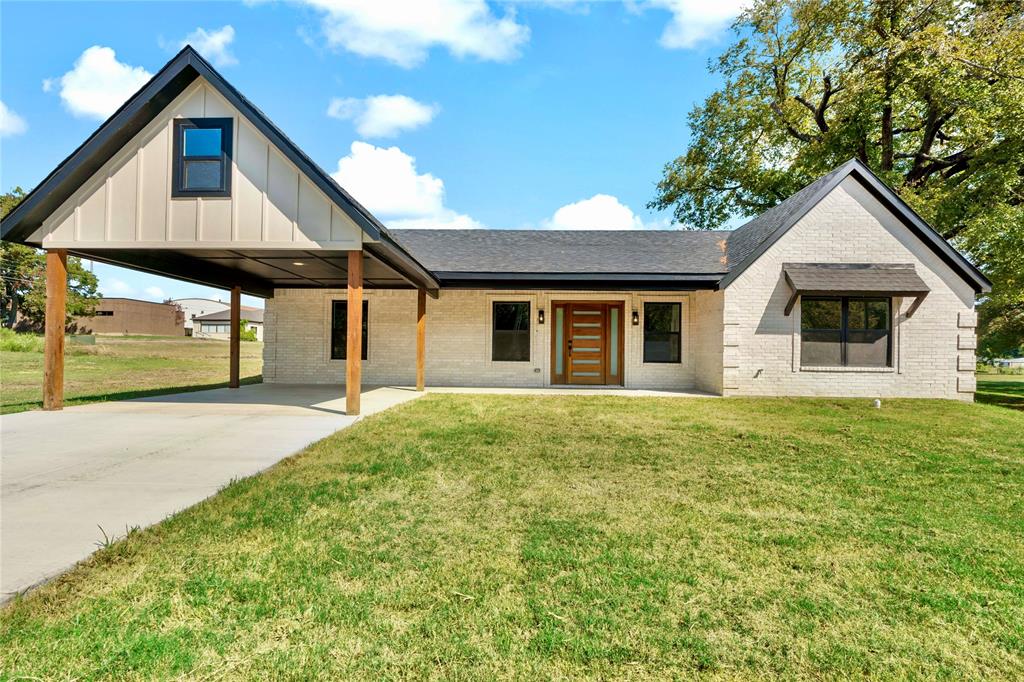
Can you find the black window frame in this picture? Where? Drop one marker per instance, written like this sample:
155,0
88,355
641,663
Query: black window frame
178,189
844,329
343,353
678,334
527,331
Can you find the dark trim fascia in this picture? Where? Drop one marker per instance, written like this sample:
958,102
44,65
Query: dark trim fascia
177,266
399,260
890,200
568,281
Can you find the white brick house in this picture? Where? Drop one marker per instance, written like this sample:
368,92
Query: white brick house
841,290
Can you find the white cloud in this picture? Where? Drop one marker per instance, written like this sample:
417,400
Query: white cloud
383,115
98,84
156,292
115,287
404,35
385,180
10,122
599,212
214,45
696,21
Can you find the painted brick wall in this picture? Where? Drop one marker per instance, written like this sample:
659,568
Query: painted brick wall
297,333
707,337
933,352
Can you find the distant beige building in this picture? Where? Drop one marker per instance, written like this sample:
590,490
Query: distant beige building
131,316
217,325
197,307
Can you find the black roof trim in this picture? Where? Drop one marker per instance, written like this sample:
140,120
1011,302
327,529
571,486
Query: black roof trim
576,280
890,200
142,108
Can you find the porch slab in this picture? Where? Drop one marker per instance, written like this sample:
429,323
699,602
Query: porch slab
575,390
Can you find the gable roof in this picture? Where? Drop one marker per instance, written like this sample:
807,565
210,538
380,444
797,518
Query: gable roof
757,235
599,254
145,105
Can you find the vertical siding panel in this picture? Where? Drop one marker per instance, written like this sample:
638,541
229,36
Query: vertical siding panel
155,186
122,201
250,185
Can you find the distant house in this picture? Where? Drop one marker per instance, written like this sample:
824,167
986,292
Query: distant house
197,307
132,316
1010,363
218,325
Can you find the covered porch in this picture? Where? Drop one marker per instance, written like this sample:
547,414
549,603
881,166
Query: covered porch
256,272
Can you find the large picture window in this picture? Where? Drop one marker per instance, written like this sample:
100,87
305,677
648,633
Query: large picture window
843,331
339,329
510,331
663,332
202,157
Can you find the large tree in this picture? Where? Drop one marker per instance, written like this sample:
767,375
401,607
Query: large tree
23,277
928,93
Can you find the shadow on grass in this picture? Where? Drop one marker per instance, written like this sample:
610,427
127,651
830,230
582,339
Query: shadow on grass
125,395
1008,394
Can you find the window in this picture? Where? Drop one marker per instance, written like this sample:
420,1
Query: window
202,157
845,332
662,332
510,331
104,313
339,329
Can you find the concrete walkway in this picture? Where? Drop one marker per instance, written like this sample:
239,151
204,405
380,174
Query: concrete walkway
65,475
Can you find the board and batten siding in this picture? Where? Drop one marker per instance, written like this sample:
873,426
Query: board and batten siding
127,203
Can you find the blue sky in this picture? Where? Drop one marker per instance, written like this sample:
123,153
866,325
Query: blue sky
434,113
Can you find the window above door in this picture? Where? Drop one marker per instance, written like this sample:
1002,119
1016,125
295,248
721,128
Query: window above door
201,164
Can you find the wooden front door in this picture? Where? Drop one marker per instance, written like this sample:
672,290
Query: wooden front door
586,343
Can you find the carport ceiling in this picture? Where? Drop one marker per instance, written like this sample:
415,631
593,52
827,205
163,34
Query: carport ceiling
258,272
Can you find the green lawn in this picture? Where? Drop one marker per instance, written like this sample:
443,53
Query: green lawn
1005,390
564,537
120,367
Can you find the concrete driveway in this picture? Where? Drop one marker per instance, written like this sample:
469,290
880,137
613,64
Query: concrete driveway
65,475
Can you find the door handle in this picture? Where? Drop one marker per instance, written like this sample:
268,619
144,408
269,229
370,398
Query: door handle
570,346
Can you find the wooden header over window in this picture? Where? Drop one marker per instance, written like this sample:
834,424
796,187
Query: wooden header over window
854,279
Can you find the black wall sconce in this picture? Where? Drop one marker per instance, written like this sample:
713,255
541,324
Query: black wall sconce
540,316
636,317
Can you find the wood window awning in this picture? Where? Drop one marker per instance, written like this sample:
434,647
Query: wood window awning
854,279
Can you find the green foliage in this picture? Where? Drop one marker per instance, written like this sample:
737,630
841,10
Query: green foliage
926,92
15,342
245,333
23,272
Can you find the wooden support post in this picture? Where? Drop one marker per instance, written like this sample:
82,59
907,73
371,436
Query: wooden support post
56,318
354,334
421,338
236,335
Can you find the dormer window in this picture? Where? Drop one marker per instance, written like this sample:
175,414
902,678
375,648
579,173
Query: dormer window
202,157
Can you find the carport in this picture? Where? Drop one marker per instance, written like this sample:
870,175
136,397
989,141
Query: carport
279,221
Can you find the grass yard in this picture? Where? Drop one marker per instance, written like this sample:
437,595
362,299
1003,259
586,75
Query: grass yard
1005,390
562,537
120,367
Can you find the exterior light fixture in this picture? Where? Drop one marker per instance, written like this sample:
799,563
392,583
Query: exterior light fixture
636,317
297,262
540,316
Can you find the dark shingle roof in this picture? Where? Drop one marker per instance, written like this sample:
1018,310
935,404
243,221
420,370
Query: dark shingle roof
756,231
567,251
887,278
